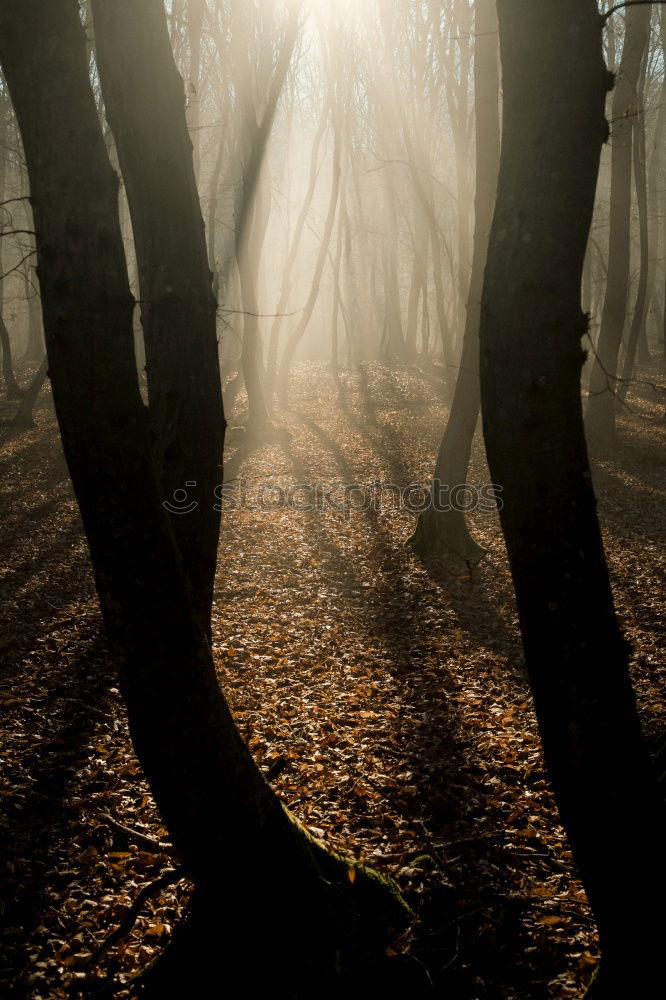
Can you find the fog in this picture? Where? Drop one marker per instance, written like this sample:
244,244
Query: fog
332,495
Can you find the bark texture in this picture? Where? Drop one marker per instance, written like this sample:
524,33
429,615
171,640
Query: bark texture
531,358
145,105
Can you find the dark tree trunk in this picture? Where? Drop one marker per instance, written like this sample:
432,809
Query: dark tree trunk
531,357
265,888
637,329
441,532
24,419
212,215
600,418
11,386
144,101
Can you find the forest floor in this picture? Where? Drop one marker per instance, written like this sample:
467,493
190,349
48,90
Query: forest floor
386,699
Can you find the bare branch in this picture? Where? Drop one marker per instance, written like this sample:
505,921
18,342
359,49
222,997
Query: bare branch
628,3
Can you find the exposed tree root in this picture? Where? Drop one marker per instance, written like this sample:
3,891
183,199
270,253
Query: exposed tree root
329,932
444,536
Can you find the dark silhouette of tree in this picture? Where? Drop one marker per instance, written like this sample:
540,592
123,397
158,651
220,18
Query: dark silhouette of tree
531,357
24,418
266,891
143,98
637,327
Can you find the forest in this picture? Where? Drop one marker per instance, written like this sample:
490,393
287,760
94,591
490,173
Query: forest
332,499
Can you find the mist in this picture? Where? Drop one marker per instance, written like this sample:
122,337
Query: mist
332,424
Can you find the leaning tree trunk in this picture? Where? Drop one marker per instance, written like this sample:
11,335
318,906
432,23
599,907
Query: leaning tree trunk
439,531
600,418
144,102
531,358
250,227
275,892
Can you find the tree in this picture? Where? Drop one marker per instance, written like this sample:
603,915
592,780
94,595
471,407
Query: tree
637,327
12,387
600,418
143,98
297,334
439,531
252,194
531,357
195,18
654,183
264,887
287,274
24,420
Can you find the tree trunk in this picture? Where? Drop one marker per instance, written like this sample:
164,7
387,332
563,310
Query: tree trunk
250,221
248,252
302,325
35,346
531,358
440,532
195,16
24,419
424,190
637,328
143,96
337,299
460,121
417,286
657,228
392,344
264,887
212,215
11,385
287,276
600,419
